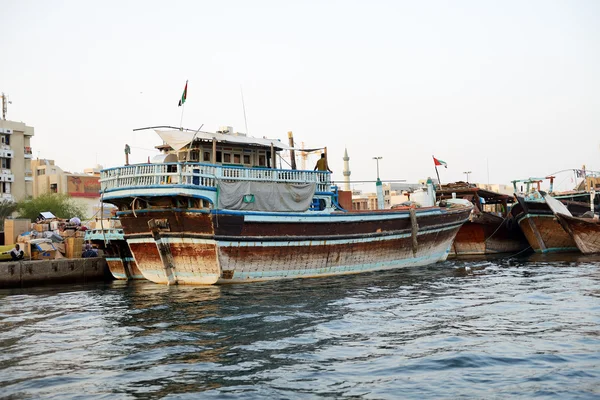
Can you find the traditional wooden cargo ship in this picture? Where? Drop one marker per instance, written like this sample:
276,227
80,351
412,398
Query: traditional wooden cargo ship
111,241
584,230
486,232
214,209
537,221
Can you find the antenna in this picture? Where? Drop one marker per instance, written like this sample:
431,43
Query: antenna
244,107
5,104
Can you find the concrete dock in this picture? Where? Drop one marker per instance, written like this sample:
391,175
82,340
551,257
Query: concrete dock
44,272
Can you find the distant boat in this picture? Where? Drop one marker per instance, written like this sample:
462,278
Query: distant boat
584,230
486,232
214,209
116,252
537,221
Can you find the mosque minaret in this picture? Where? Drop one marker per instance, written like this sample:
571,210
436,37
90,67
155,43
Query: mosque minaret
346,170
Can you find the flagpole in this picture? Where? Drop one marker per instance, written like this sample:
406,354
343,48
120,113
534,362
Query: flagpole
438,176
181,120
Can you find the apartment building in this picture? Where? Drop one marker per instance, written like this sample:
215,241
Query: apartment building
16,178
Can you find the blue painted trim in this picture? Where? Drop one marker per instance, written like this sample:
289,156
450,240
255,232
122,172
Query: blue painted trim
165,186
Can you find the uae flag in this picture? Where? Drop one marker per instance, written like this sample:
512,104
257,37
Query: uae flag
437,162
183,96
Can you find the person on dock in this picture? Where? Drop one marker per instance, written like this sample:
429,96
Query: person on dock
16,253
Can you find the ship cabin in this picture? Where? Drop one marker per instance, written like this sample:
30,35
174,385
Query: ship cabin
219,170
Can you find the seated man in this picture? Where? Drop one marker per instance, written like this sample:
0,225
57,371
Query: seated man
16,253
89,251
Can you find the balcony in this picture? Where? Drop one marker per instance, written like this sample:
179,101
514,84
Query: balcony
6,196
7,178
6,153
28,152
28,176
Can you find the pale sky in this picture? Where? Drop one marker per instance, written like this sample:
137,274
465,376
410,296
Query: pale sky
505,89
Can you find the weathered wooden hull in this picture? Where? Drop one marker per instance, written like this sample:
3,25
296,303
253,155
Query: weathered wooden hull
118,257
545,235
541,228
124,268
584,231
228,247
488,234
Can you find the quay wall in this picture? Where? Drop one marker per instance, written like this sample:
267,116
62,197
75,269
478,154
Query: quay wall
43,272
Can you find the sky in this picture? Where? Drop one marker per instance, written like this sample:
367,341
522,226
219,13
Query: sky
504,89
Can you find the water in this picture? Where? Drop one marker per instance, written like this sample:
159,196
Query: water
471,328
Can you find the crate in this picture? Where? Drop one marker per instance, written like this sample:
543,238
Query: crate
74,247
13,228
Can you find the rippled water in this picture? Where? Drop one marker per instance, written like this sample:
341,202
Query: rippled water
469,328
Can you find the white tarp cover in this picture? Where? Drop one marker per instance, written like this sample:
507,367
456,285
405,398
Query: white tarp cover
178,139
265,196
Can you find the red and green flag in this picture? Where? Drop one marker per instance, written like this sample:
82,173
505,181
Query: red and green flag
183,96
437,162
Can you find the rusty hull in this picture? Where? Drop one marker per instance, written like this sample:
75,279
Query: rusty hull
488,234
225,247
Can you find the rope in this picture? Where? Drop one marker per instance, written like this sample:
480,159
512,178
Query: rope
499,225
516,254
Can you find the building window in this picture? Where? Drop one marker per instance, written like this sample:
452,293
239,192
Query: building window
226,158
206,156
41,171
6,163
219,157
54,188
6,187
237,159
261,160
7,140
246,159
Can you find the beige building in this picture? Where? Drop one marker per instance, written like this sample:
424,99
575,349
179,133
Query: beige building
16,179
85,187
368,201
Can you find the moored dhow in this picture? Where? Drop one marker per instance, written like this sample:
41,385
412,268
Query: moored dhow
537,221
234,217
486,232
110,239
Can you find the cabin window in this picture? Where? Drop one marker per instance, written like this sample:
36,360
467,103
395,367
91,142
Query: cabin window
219,157
227,158
237,159
261,160
246,159
206,156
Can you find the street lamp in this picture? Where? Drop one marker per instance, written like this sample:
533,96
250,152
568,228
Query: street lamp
467,173
377,159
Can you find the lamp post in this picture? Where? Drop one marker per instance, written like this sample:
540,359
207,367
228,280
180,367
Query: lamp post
380,202
467,173
377,159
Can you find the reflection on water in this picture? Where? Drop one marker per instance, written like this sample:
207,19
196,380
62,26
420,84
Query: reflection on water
488,327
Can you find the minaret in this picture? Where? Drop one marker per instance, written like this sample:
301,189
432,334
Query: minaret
346,170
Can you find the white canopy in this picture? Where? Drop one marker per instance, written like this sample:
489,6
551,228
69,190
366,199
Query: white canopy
178,139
